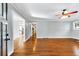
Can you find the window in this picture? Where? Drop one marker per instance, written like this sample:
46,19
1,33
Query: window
76,25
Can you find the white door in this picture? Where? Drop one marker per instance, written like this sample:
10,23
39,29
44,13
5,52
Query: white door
0,39
3,44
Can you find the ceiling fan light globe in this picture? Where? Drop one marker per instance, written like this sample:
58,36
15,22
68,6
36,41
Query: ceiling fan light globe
64,17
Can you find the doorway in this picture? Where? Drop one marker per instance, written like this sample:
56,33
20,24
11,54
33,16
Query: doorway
3,45
18,33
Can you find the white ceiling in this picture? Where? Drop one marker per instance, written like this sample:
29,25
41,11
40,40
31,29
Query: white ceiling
46,11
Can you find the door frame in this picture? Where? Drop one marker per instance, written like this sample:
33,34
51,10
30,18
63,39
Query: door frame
2,21
1,39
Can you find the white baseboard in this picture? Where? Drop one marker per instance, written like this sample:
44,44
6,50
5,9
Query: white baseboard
75,38
53,37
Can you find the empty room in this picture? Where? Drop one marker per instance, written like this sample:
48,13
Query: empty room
39,29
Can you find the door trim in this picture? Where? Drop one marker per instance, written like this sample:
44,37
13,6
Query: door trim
1,39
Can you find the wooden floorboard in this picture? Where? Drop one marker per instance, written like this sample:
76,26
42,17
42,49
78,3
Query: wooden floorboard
49,47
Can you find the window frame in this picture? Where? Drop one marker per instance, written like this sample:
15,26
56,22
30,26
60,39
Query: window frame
76,25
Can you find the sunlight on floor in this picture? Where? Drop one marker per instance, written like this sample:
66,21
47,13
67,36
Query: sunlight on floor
76,50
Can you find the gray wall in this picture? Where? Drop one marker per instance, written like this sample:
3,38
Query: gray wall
53,29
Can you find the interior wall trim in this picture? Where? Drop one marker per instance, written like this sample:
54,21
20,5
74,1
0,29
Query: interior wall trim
54,37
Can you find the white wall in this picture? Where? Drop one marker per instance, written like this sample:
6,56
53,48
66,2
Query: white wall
53,29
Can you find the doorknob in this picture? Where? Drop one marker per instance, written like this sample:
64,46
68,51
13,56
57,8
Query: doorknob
7,37
7,34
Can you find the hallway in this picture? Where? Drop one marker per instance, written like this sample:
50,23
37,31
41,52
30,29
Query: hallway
49,47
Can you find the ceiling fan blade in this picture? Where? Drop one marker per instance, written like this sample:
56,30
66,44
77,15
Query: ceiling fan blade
71,13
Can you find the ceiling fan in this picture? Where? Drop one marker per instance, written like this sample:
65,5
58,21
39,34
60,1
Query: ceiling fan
65,14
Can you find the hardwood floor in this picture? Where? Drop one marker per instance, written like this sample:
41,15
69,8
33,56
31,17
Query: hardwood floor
49,47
